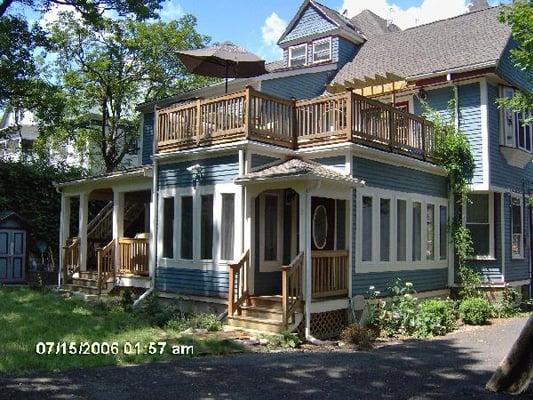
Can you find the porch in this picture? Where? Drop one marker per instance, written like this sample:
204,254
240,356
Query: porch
297,260
105,231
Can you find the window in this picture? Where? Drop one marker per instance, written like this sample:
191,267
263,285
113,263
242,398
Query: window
515,133
401,230
478,221
384,229
322,50
298,55
186,228
271,225
227,233
168,227
367,228
516,220
320,227
430,232
443,232
417,231
206,224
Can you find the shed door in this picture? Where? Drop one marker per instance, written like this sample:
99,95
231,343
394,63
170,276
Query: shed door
12,255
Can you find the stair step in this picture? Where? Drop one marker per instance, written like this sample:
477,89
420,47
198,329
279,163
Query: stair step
273,302
87,282
258,324
262,313
88,275
82,289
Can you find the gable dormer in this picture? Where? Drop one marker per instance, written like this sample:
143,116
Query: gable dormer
318,35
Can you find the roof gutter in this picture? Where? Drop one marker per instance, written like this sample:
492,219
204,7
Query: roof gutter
452,71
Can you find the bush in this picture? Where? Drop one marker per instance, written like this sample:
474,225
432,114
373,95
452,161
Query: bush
508,305
435,318
475,310
289,340
470,283
359,336
398,315
156,313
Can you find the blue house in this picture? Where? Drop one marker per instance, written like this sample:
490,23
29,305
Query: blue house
283,201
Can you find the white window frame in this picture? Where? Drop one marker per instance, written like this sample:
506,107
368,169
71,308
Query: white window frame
510,124
320,41
292,48
491,256
376,265
519,256
271,265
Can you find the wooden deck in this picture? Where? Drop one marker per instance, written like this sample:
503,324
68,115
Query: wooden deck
250,114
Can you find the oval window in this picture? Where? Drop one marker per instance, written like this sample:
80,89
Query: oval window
320,227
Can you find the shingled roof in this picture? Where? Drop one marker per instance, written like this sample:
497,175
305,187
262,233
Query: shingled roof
475,39
372,25
296,168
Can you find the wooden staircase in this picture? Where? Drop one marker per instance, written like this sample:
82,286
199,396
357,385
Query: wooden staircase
87,283
265,313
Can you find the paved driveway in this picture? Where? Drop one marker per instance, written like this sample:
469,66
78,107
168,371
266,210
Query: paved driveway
454,367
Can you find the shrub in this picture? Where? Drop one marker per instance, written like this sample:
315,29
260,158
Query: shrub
289,340
508,305
435,317
127,300
156,313
475,310
359,336
470,282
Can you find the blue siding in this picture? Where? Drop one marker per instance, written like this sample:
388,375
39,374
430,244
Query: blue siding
470,124
216,170
520,78
194,282
259,160
515,269
403,179
311,22
335,161
342,51
302,86
148,138
346,51
437,99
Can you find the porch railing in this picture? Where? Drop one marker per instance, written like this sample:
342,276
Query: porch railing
105,264
133,256
71,260
329,273
238,283
250,114
291,287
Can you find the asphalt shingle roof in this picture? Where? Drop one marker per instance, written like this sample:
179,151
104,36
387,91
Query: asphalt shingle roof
372,25
470,39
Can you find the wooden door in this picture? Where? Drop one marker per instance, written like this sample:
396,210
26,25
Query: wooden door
12,255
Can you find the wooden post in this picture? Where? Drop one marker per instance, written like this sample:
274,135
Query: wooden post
231,290
284,294
293,124
83,220
516,370
423,139
99,269
247,111
349,113
392,130
198,120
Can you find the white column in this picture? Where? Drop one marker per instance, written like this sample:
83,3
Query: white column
118,221
82,229
152,236
64,232
249,235
305,246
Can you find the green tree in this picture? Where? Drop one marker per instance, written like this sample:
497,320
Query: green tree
106,70
519,15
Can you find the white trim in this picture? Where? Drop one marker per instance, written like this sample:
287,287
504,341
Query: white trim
453,70
329,305
491,255
502,232
292,48
521,203
485,154
320,41
271,265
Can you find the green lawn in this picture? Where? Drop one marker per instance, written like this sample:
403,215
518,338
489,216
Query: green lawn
28,317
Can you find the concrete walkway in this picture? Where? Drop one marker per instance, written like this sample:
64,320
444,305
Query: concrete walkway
454,367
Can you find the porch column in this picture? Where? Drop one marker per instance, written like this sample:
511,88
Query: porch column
64,232
305,246
118,222
82,229
248,239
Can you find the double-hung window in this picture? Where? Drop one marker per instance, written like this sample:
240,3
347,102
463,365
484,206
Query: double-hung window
515,132
322,50
298,55
479,221
517,248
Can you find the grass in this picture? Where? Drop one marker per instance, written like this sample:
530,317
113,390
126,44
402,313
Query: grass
28,317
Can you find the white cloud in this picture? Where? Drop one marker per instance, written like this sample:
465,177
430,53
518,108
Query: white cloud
271,31
171,10
427,11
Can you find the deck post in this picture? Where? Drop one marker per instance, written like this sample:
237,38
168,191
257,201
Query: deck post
118,224
349,114
247,111
82,229
64,233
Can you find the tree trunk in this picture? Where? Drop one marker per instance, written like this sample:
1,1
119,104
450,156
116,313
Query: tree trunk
516,370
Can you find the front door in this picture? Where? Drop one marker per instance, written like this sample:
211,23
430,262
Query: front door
12,255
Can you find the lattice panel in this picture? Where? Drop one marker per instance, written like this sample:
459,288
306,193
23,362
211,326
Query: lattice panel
329,324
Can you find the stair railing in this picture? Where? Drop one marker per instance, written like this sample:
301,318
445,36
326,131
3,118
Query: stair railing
106,264
291,286
71,263
238,284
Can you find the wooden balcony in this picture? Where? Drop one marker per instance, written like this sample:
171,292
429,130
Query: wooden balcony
249,114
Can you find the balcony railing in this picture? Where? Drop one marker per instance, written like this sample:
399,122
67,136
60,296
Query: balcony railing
253,115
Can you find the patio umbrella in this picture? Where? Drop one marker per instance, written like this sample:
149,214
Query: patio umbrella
225,60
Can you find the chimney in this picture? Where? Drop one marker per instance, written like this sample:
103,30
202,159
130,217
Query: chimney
478,5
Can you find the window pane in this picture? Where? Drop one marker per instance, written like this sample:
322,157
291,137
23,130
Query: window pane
481,238
401,229
367,228
443,245
186,228
384,226
298,55
430,232
228,227
206,239
477,208
417,230
321,51
341,224
168,227
516,227
271,227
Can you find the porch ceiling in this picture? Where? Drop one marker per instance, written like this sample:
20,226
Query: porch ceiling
297,169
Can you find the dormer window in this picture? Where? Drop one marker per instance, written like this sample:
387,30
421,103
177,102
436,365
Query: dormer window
298,55
322,50
515,132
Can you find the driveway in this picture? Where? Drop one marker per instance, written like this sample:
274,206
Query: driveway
454,367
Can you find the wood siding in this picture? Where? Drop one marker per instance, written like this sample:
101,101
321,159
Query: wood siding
303,86
193,282
311,22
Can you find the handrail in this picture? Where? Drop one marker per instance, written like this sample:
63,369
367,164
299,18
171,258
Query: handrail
106,263
238,283
101,215
291,287
71,255
329,273
133,255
